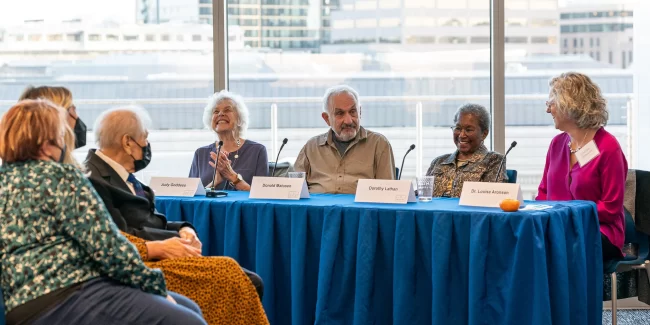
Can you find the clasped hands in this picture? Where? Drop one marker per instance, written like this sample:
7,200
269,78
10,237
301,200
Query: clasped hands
187,245
224,166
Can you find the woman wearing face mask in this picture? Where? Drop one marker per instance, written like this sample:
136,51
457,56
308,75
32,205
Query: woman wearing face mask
471,162
240,159
62,97
585,162
63,260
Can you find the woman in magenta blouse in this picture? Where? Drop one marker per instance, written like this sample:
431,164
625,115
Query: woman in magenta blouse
585,162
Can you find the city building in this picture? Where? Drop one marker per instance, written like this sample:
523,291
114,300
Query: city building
81,37
602,31
277,24
430,25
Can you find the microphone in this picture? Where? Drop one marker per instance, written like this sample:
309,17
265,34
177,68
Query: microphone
401,170
278,157
213,190
512,145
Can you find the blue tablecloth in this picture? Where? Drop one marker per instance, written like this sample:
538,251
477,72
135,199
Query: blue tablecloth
328,260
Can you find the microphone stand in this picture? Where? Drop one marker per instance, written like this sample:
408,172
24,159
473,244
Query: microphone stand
212,192
278,157
401,170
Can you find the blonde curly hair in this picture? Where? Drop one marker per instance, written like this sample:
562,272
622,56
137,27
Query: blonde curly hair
580,99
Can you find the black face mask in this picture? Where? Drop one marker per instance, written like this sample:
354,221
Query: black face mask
79,133
141,164
62,156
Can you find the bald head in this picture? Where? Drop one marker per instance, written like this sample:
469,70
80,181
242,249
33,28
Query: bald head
112,125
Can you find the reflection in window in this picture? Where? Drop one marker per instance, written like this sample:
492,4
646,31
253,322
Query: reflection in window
480,40
390,40
479,4
55,37
419,22
541,40
343,24
452,4
543,4
389,22
516,4
420,39
479,22
453,40
419,4
543,22
365,5
516,22
73,37
451,22
389,4
517,40
366,23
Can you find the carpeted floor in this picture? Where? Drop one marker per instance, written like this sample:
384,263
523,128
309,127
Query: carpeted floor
628,317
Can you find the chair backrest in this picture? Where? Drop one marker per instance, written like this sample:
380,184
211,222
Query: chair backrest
512,175
281,170
396,172
632,236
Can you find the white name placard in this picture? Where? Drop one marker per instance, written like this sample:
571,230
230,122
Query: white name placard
482,194
279,188
384,191
176,186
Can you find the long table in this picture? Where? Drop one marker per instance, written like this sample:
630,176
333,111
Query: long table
329,260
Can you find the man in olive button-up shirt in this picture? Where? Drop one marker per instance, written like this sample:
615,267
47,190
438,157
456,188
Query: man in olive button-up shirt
336,160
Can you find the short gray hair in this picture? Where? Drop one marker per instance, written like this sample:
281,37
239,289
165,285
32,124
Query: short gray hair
113,124
240,108
337,90
479,111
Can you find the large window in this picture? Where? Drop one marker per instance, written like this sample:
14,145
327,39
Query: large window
528,74
411,63
108,57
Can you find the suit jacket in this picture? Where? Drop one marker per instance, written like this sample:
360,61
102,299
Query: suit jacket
133,214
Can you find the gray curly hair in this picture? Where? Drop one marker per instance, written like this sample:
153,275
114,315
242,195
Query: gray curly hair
479,111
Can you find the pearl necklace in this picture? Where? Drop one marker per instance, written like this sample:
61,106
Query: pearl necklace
573,151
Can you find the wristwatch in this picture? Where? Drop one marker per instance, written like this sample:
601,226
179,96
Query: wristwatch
239,179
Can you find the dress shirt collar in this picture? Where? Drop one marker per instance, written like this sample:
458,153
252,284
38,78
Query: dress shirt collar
119,169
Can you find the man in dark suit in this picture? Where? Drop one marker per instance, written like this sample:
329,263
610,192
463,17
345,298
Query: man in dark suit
123,150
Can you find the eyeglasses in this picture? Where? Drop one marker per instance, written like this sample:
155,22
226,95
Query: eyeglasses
459,130
549,103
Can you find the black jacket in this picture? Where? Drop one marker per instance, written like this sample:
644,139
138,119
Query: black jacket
132,214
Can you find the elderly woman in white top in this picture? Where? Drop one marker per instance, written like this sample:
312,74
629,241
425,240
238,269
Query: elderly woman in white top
240,159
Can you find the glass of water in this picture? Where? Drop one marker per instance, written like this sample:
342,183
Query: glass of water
296,174
425,188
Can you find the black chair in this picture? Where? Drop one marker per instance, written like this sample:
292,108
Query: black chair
281,170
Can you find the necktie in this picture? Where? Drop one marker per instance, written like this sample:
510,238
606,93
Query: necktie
137,186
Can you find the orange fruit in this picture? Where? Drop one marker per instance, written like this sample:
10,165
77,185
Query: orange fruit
509,205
